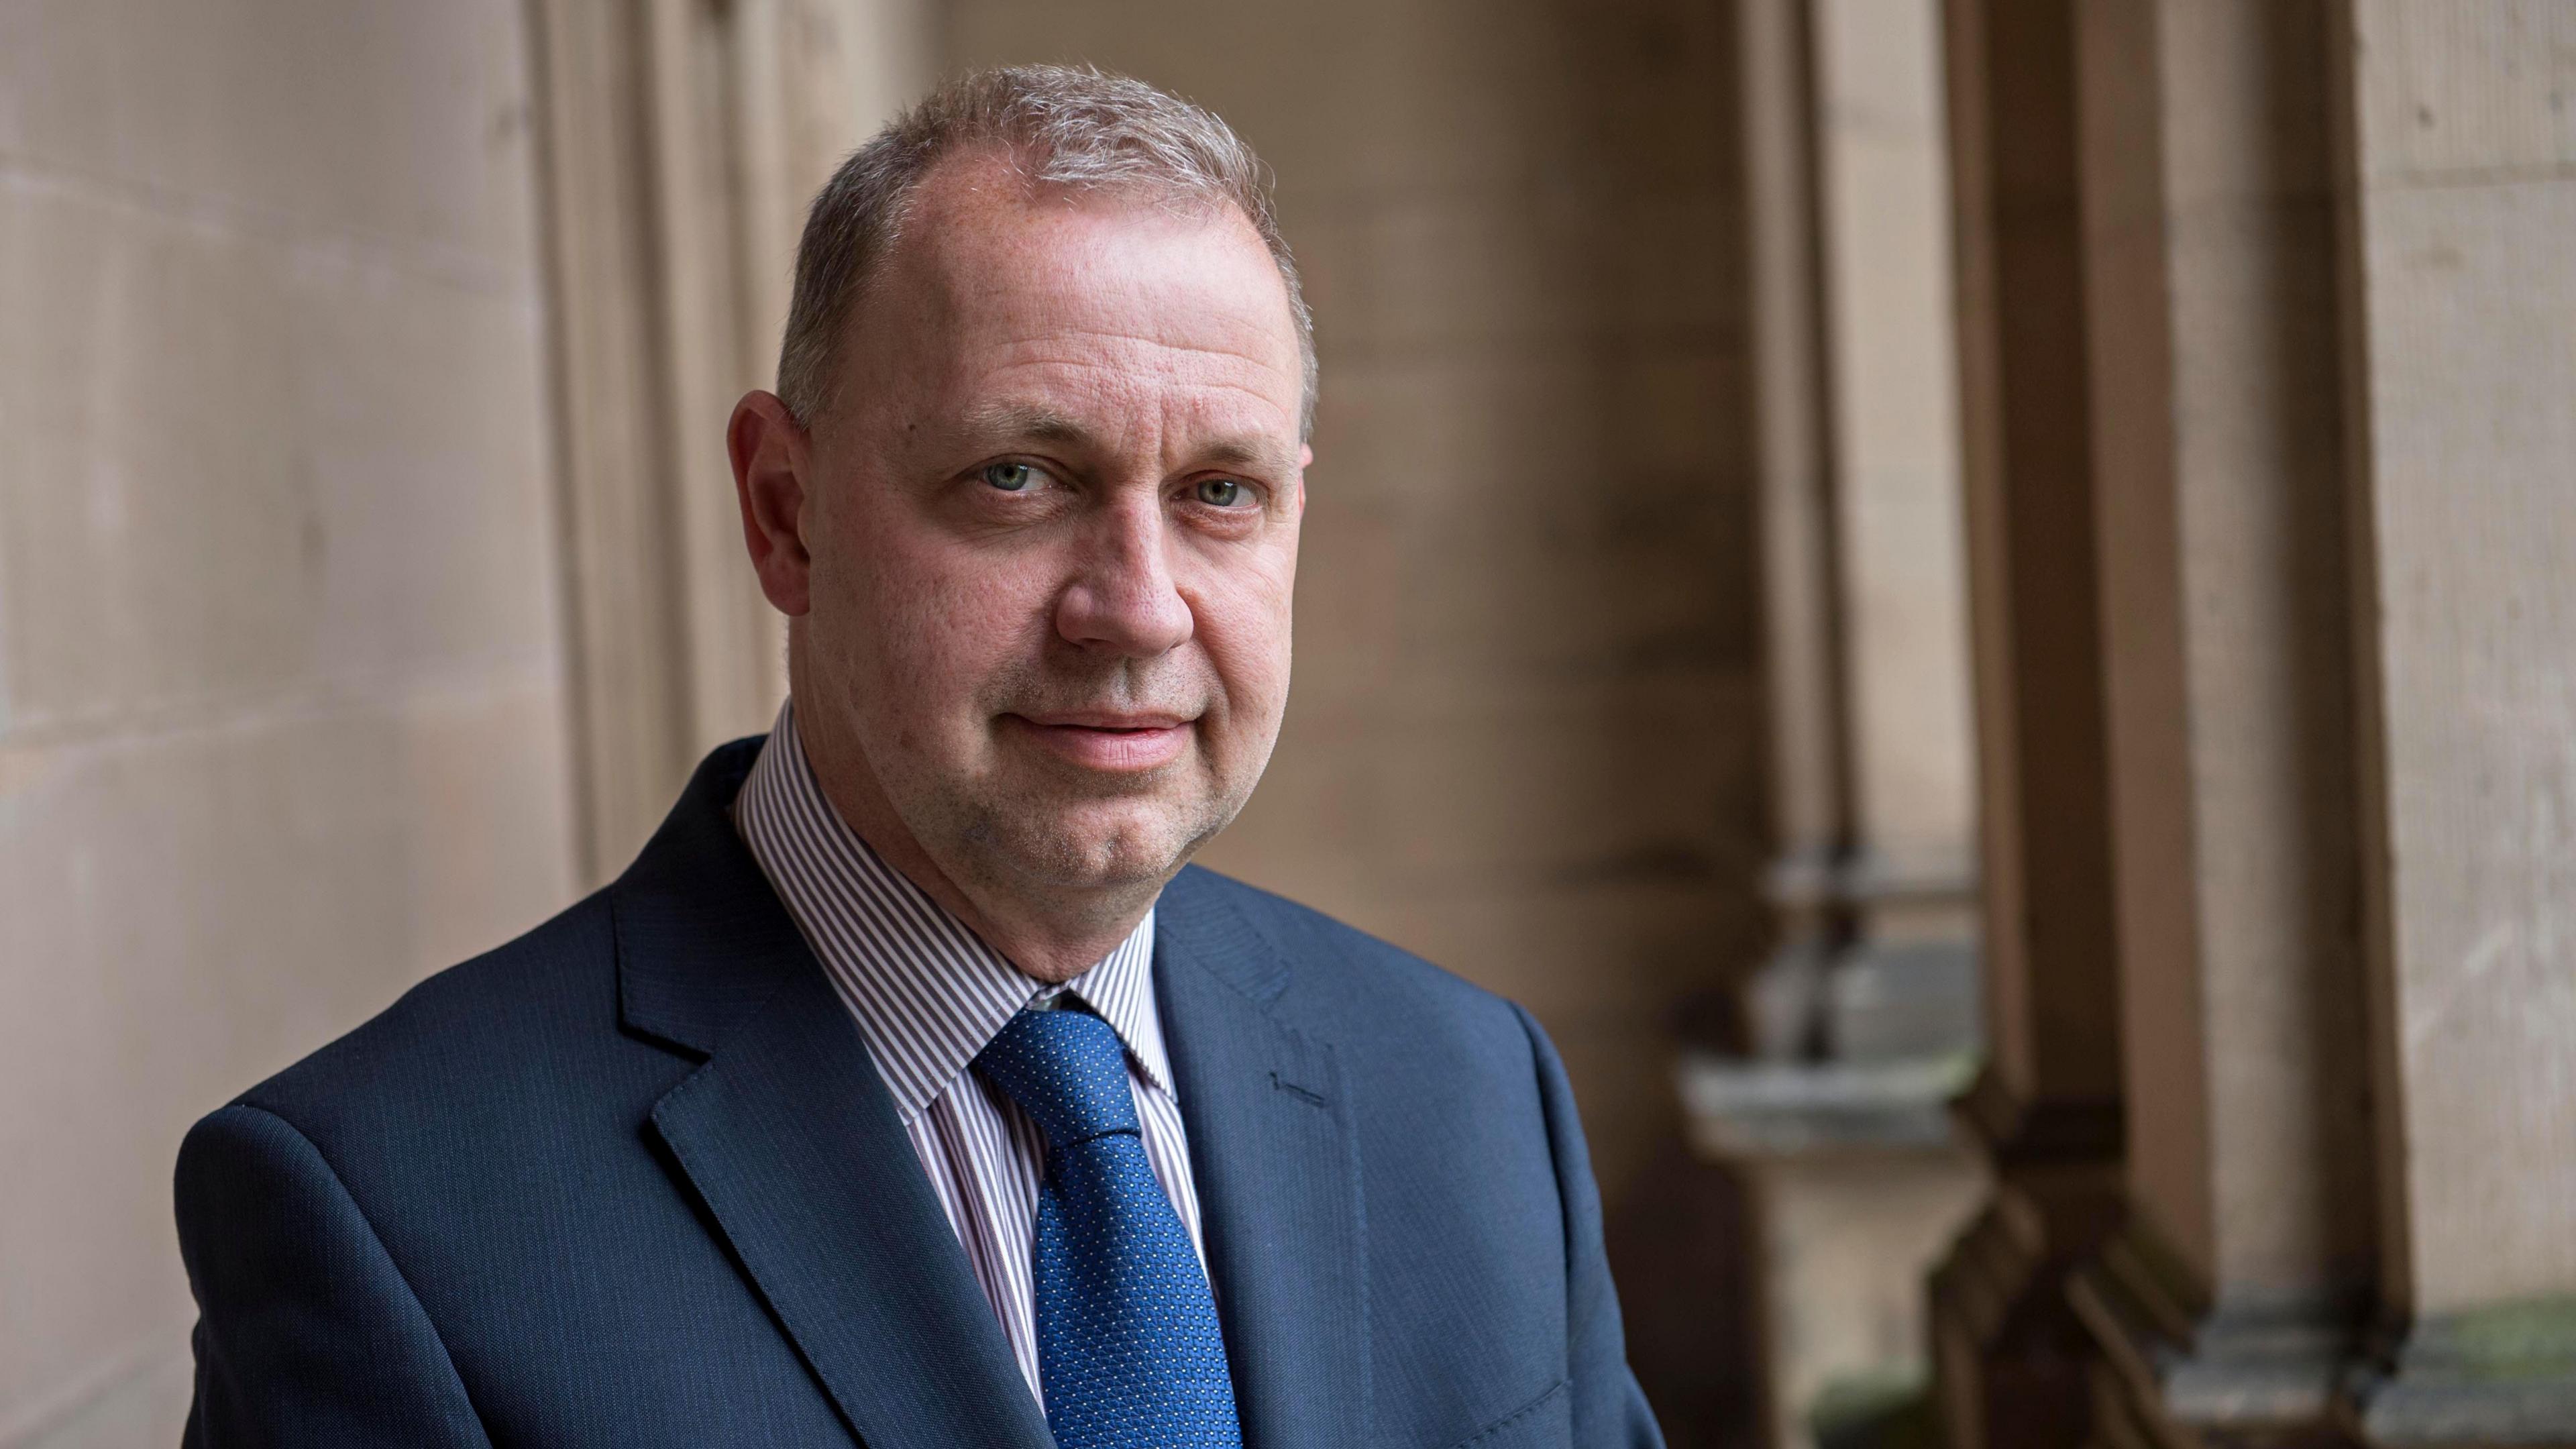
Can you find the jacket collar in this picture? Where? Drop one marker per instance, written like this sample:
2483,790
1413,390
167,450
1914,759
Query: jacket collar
788,1136
701,940
1275,1156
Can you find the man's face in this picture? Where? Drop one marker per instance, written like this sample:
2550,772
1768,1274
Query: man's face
1053,524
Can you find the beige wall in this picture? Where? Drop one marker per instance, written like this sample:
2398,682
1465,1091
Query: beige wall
281,715
1522,739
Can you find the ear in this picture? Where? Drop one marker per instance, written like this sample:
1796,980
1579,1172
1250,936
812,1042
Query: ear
772,461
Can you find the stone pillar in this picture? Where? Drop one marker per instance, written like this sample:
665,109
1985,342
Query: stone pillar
1856,455
2229,1300
2306,274
682,141
1905,986
1807,744
2459,177
1864,1017
2010,1356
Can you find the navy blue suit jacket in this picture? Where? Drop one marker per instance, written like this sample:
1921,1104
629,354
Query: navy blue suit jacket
631,1179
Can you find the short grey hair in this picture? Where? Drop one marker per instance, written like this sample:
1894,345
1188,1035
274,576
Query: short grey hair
1062,126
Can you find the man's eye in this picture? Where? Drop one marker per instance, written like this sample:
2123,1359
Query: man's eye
1010,477
1219,492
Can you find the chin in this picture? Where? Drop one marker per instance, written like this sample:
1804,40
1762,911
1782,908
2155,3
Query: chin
1094,846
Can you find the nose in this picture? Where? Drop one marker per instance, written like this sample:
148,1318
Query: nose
1122,598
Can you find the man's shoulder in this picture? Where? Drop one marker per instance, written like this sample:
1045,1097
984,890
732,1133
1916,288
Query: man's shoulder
1357,982
495,1025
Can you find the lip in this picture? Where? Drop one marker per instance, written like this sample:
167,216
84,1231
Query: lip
1117,743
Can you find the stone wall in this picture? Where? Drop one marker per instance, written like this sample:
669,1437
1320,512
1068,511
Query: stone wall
281,704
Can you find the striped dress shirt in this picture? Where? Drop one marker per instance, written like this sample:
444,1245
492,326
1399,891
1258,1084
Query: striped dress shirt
928,994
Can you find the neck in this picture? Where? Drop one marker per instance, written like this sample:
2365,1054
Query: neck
1049,936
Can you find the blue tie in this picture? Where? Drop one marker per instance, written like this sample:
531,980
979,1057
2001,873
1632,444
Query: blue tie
1128,1346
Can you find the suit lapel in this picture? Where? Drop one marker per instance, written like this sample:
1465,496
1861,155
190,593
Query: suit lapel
1277,1171
787,1135
791,1140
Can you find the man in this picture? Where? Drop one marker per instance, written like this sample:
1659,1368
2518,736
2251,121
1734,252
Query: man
908,1088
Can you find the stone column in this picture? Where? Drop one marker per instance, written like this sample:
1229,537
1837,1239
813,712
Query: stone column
2009,1354
2229,1299
1856,449
2459,178
1807,746
2309,273
1905,985
682,141
1865,1015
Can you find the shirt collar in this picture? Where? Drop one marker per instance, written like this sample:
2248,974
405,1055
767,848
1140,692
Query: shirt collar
927,992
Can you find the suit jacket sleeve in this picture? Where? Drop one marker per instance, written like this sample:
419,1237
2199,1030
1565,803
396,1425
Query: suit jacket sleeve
307,1333
1609,1408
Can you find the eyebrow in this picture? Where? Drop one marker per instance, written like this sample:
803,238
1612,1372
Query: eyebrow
1248,453
997,422
1035,422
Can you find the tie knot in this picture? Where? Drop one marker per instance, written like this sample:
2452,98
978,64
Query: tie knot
1066,1070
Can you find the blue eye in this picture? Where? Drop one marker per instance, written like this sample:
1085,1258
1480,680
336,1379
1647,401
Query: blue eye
1219,492
1010,477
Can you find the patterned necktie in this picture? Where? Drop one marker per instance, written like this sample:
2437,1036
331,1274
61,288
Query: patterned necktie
1128,1346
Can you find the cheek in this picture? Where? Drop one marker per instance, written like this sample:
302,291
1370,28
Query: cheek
1244,625
931,626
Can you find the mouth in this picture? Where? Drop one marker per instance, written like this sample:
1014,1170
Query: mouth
1104,740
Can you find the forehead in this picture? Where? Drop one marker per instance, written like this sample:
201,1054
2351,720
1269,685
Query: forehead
1087,302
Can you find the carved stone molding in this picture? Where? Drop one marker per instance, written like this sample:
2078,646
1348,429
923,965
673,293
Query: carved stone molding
2012,1360
2178,1372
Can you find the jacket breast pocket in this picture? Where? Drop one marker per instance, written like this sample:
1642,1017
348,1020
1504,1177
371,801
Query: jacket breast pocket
1547,1419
